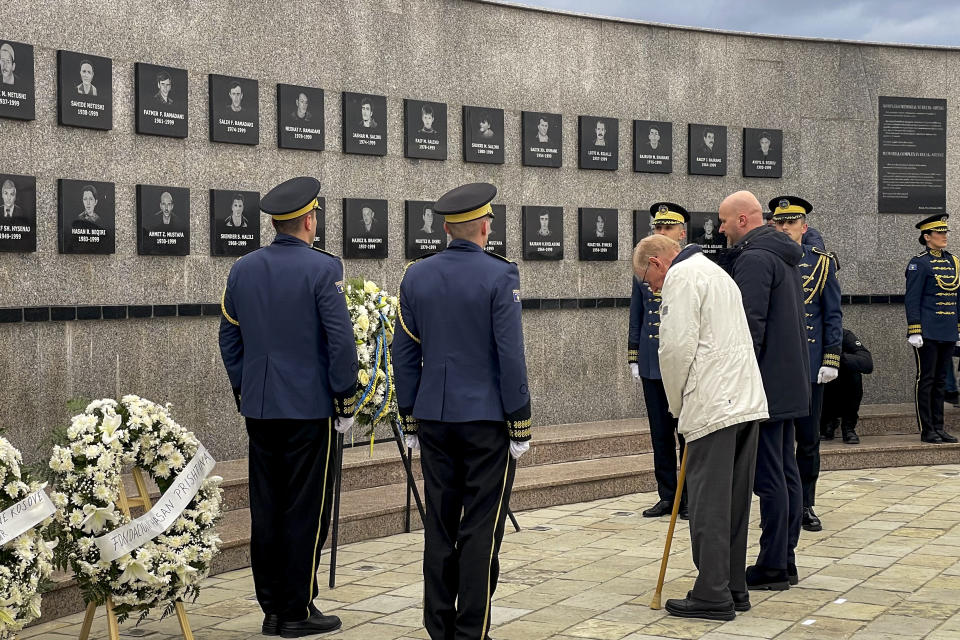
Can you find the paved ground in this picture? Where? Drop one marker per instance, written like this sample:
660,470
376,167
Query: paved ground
886,567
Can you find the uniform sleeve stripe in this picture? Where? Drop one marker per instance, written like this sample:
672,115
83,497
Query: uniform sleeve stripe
223,308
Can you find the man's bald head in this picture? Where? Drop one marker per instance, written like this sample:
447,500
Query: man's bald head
740,213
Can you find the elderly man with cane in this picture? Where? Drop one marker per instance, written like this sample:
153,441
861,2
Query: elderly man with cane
713,386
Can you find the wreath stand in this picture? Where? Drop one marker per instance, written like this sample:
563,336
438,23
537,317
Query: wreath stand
113,628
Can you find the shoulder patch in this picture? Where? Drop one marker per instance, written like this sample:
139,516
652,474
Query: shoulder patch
912,266
339,285
498,256
516,295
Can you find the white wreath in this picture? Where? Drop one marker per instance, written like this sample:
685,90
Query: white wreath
26,561
100,442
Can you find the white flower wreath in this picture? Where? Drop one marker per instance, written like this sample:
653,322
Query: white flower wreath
100,442
26,561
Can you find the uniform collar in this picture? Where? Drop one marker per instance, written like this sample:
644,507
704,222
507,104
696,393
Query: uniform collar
285,239
464,245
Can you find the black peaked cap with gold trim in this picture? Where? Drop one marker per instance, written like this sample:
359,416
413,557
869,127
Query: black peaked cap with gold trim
466,202
668,213
291,199
786,208
934,223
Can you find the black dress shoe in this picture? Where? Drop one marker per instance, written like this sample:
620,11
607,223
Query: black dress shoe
792,576
828,430
684,512
764,579
741,600
691,608
930,437
662,508
271,625
810,520
946,437
316,623
851,437
953,397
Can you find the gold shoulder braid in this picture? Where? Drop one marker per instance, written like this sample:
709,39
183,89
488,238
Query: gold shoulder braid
818,276
950,283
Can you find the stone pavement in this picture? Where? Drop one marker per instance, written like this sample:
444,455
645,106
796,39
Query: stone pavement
886,567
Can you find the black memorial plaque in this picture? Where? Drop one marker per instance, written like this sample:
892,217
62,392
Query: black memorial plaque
597,234
364,124
762,153
84,90
599,143
162,100
542,139
234,110
17,89
425,232
543,233
497,240
320,235
86,217
652,146
234,222
707,150
18,213
704,230
912,155
163,220
642,225
364,228
424,130
483,135
299,117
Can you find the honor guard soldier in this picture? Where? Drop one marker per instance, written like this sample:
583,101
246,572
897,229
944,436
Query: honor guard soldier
933,277
670,220
823,320
461,381
287,343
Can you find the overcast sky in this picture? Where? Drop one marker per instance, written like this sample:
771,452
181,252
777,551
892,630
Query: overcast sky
916,22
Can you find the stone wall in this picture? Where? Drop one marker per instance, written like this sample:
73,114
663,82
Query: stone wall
822,94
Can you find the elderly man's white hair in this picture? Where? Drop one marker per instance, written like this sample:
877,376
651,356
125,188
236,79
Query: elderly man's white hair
655,245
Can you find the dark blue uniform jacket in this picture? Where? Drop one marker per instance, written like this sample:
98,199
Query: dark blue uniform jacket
644,339
931,298
821,298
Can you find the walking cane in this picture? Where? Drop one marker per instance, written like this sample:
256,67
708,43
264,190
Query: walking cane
336,512
655,604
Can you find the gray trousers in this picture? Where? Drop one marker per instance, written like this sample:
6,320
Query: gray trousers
720,469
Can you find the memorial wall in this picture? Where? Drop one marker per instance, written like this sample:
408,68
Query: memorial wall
136,149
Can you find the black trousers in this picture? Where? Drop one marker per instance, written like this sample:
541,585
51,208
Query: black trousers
720,469
841,402
467,477
933,358
291,494
777,484
808,446
664,437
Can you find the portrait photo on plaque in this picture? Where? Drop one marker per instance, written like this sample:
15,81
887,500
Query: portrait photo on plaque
424,130
497,240
424,230
234,109
652,146
542,135
86,216
762,153
483,135
299,117
17,89
234,222
18,215
542,233
597,234
707,150
704,230
599,143
365,228
163,220
364,124
162,100
320,235
642,225
84,90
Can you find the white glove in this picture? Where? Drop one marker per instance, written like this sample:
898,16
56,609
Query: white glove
916,340
827,374
342,425
517,449
635,370
412,441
